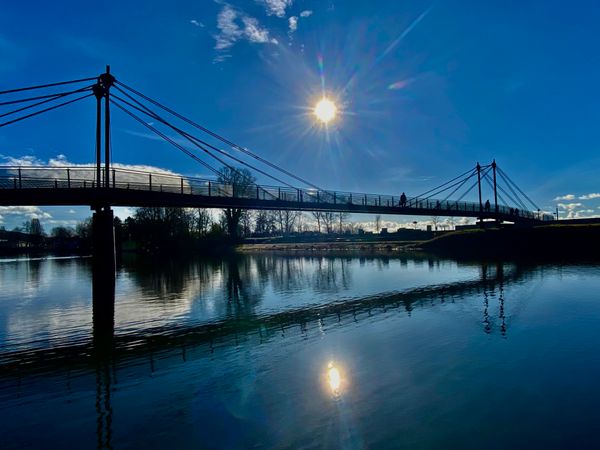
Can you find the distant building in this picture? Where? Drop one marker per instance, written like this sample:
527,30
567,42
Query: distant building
384,231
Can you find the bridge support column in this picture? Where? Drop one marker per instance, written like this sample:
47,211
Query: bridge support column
103,279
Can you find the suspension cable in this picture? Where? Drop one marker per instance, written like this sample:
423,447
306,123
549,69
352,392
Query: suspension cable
444,184
512,199
52,98
41,86
198,142
182,148
489,182
165,137
219,137
18,119
518,188
521,203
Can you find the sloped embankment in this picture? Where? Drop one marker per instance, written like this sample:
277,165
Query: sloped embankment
552,241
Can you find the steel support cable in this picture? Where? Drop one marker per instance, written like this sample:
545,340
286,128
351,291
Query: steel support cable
181,147
219,137
165,137
466,192
433,194
518,188
521,203
519,200
472,186
461,184
444,184
18,119
30,99
491,184
54,97
514,202
41,86
198,142
458,183
483,174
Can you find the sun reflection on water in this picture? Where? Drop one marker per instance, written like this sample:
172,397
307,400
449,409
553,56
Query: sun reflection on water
334,379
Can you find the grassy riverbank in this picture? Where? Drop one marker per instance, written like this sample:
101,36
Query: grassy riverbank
551,241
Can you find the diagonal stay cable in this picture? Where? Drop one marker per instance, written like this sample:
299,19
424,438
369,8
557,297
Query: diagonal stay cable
518,188
18,119
219,137
165,137
41,86
516,196
30,99
54,97
198,142
510,197
473,185
462,183
491,184
444,184
181,147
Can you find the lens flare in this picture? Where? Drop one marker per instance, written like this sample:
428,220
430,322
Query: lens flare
325,110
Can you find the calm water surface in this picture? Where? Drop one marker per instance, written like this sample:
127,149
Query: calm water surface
269,351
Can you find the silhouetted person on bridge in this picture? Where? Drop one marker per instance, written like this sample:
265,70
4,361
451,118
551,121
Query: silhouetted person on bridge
403,200
487,206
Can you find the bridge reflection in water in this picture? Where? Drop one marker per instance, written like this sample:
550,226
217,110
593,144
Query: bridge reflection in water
172,345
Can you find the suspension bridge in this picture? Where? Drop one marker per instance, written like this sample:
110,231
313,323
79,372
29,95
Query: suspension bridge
103,185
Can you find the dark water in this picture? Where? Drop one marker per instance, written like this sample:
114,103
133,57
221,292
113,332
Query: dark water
290,352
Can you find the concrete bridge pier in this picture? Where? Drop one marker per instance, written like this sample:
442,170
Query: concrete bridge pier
103,278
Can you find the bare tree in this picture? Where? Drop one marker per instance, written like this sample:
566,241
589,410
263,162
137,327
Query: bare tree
377,223
341,217
318,216
435,220
328,219
286,220
203,221
241,182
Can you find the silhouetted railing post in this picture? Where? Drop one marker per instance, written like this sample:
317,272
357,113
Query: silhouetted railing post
113,178
181,179
68,178
150,181
20,179
495,192
209,189
479,185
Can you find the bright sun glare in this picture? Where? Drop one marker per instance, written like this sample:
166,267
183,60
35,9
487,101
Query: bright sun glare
325,110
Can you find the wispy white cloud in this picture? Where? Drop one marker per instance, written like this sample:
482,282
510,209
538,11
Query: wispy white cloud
275,7
570,206
29,212
197,23
293,23
591,196
566,197
235,25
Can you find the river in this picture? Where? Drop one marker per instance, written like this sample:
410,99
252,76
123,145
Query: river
272,351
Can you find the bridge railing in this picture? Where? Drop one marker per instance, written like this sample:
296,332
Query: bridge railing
84,177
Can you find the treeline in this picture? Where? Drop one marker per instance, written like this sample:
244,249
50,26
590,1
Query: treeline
176,229
32,237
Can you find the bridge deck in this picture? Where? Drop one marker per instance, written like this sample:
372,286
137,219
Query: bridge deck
46,186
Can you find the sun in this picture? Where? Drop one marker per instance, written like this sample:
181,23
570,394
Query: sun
325,110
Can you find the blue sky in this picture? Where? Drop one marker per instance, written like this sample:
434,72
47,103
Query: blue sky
426,89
